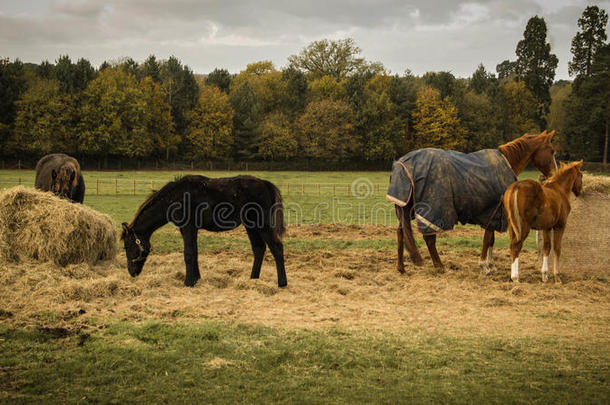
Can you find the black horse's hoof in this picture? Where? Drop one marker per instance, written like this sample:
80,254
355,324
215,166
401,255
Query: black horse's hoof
190,283
281,285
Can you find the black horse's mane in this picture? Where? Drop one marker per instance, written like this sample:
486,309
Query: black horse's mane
159,194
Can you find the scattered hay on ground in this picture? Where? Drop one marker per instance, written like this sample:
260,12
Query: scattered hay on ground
40,226
326,288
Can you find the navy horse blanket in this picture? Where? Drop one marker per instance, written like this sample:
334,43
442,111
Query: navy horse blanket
448,186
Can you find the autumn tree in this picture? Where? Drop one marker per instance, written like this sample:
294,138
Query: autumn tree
481,121
536,64
436,121
381,131
44,120
326,131
327,87
266,83
210,130
114,117
159,123
278,140
588,40
519,111
338,59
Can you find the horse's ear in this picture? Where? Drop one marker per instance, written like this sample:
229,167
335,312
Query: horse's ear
579,164
543,133
125,230
550,135
53,174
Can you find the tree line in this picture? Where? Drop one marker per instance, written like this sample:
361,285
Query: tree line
329,104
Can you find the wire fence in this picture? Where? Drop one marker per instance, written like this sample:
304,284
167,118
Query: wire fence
133,187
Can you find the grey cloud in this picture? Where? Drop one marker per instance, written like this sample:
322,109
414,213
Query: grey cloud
421,35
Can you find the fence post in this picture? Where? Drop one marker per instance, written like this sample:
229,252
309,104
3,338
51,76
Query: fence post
97,187
377,187
288,190
333,190
116,186
302,189
19,180
318,188
134,186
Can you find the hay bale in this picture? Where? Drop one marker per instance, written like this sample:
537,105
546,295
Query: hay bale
586,240
37,225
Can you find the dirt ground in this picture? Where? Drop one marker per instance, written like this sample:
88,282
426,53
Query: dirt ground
326,288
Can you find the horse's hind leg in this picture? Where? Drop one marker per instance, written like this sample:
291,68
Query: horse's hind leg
400,266
431,243
516,244
258,248
546,249
405,224
277,249
557,235
487,260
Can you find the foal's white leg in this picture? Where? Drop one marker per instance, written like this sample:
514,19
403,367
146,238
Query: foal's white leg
545,268
514,270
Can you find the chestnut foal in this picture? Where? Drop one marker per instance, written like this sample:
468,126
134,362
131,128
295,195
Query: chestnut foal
530,205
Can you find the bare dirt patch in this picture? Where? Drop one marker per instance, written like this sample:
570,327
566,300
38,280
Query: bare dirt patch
327,288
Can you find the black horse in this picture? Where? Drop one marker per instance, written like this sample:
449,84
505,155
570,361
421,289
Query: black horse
198,202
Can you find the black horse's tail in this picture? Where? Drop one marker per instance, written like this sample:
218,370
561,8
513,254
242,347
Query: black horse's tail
277,213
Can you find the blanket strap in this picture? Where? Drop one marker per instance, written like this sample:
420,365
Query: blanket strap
493,214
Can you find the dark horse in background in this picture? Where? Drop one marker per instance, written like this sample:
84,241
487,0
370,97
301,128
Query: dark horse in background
60,174
197,202
476,197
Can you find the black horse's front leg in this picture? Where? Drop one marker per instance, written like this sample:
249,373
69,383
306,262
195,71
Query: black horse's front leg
258,248
189,235
277,249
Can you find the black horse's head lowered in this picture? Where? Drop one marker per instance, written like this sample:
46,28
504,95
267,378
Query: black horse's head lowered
136,249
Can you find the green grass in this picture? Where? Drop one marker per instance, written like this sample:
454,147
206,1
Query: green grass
212,362
299,189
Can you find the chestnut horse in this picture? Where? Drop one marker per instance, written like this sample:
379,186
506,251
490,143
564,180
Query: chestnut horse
534,149
530,205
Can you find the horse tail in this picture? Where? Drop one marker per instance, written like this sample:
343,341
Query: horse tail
512,211
277,213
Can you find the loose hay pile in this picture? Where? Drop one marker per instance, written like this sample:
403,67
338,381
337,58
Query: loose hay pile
36,225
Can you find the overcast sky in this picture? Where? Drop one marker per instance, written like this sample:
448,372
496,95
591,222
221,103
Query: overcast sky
428,35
